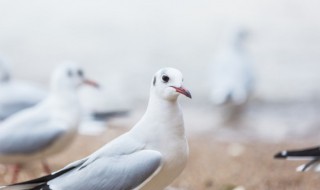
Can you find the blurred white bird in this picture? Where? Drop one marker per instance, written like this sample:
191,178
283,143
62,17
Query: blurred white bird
16,95
231,74
49,127
148,157
311,154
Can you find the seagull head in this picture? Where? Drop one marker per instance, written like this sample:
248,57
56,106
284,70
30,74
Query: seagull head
167,83
70,76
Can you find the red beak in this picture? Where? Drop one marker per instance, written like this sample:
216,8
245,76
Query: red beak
183,91
91,83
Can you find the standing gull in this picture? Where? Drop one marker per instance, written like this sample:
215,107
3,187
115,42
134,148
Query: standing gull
46,129
311,154
16,95
231,75
148,157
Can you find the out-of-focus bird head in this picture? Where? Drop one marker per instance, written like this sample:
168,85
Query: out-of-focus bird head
69,76
167,84
239,36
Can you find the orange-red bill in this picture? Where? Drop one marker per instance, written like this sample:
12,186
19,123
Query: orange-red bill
183,91
91,83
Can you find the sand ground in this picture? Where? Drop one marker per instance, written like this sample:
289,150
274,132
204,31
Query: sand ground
213,164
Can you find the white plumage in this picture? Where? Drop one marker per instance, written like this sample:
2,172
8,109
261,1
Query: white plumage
16,95
47,128
231,75
148,157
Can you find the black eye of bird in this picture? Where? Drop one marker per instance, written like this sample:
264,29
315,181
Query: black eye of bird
165,78
80,73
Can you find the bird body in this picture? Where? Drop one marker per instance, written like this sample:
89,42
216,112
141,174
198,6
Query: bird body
172,142
61,123
16,95
47,128
149,156
232,78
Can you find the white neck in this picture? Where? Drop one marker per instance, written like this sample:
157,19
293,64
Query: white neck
162,116
64,105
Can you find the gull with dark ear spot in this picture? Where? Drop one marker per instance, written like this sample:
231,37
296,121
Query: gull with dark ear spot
148,157
312,154
47,128
16,95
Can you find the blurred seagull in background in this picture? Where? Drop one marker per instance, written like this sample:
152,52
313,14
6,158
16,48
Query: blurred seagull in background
231,73
46,129
16,95
148,157
312,154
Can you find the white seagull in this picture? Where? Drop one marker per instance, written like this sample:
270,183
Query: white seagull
311,154
148,157
231,74
47,128
16,95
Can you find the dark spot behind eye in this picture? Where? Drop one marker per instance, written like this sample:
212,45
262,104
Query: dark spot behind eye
154,80
80,73
69,73
165,78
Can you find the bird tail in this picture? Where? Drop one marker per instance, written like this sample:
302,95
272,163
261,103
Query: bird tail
36,184
40,183
308,154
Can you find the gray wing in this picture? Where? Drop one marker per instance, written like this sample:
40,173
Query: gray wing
28,135
9,108
17,96
122,172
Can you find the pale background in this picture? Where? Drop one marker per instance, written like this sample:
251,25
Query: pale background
122,43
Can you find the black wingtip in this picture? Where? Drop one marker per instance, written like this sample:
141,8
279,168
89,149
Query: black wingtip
42,187
281,155
41,183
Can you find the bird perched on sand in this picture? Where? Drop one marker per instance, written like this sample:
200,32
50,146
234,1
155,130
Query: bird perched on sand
311,154
47,128
16,95
231,74
148,157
